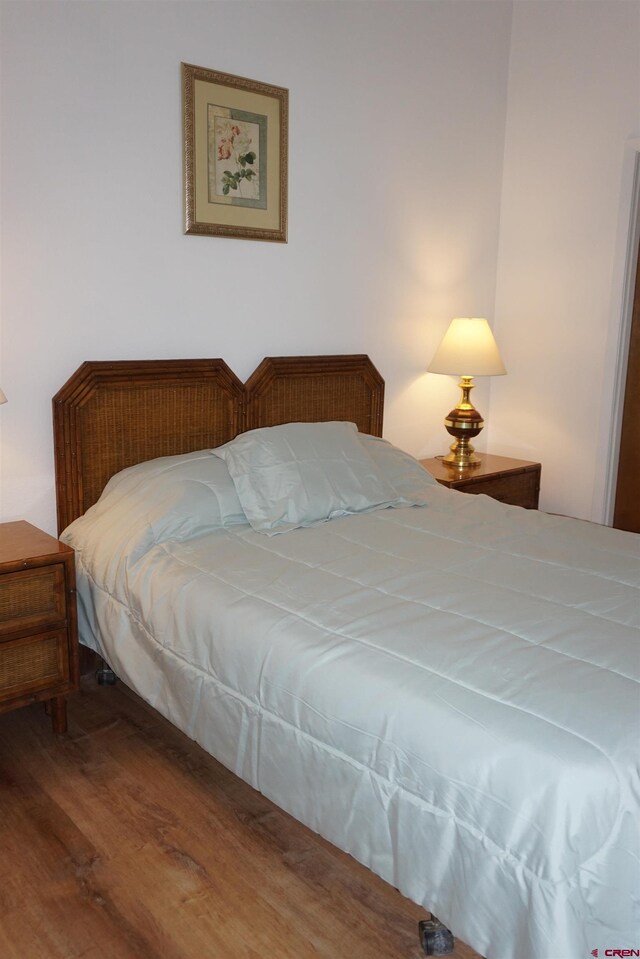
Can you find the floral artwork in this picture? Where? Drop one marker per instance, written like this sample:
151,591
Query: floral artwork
234,158
235,146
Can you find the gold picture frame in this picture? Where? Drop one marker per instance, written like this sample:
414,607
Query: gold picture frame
235,156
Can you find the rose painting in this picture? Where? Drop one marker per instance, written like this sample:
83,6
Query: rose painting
235,146
235,174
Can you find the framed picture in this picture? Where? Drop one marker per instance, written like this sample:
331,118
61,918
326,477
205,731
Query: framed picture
235,156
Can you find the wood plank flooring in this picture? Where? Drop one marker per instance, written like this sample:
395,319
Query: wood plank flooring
125,840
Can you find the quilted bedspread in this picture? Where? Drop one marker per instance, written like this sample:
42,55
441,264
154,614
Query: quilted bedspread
449,693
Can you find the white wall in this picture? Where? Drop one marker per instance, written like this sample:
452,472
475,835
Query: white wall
573,103
397,114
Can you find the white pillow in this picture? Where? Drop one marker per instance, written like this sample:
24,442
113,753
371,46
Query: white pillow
301,474
410,480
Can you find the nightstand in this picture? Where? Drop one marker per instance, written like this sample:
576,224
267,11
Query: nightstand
38,625
516,482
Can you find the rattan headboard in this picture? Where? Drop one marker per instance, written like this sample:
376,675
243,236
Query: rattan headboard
110,415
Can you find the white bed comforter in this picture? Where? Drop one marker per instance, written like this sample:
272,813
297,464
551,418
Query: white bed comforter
448,693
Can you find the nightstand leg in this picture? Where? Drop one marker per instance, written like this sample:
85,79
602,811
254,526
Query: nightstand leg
59,714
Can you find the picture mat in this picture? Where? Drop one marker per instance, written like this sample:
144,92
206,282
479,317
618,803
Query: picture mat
248,102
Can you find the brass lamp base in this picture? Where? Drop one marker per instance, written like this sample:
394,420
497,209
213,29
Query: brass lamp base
464,422
462,455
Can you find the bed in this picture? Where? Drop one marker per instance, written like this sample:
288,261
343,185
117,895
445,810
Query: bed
443,686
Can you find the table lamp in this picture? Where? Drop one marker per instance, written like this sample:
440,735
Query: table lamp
467,349
3,398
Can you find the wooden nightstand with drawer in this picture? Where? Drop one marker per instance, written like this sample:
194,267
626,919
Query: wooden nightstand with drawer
516,482
38,624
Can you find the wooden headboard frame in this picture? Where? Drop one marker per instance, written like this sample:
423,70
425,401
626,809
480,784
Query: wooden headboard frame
111,415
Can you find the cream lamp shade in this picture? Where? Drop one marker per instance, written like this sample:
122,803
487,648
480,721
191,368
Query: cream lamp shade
3,398
468,349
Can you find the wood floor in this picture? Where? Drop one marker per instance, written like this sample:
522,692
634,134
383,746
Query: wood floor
124,840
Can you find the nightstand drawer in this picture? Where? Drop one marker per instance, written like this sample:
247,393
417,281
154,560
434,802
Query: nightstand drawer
32,598
517,490
34,663
515,482
38,621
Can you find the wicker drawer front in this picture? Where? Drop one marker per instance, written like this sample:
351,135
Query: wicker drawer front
31,598
33,664
518,490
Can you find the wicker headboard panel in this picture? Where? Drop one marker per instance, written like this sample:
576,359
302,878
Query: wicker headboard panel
110,415
315,389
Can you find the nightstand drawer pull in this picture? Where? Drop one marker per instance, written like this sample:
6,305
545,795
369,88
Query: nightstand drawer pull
32,598
33,663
